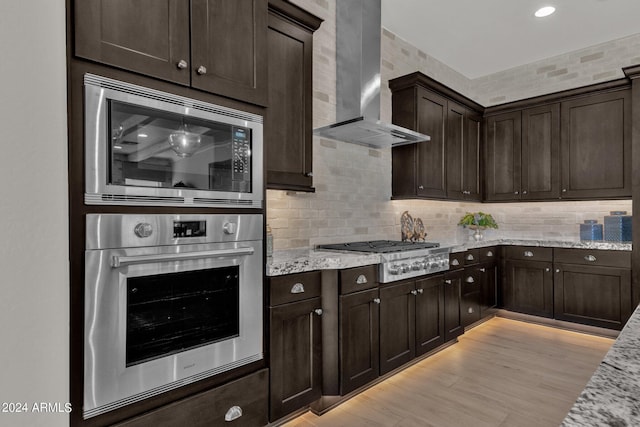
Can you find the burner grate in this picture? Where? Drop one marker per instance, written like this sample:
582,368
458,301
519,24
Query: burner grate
380,246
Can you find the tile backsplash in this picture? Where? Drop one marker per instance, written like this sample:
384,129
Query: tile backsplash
353,183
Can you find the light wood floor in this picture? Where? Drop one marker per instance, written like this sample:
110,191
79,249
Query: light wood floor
501,373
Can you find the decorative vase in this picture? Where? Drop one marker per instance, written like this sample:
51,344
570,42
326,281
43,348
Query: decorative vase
477,234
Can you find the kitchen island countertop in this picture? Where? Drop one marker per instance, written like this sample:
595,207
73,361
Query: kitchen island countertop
611,396
290,261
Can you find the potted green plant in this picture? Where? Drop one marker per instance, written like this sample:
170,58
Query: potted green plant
478,221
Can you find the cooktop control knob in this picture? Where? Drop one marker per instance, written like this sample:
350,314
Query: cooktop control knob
143,229
416,266
394,269
404,268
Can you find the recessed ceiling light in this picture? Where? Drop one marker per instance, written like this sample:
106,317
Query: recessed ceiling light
545,11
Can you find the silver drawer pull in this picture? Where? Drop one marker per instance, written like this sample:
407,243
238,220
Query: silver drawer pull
455,262
298,288
414,292
470,310
376,300
318,311
470,257
470,279
590,258
483,270
489,253
448,281
233,413
420,291
361,280
528,253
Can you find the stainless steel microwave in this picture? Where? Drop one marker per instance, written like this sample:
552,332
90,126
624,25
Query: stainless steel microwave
152,148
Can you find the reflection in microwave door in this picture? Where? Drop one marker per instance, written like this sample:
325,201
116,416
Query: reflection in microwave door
184,142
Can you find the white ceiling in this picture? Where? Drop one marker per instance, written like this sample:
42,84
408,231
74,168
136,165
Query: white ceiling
480,37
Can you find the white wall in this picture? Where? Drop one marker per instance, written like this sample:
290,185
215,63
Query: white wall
34,283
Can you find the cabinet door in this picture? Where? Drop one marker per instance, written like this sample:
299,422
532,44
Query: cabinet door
528,287
596,146
397,325
431,120
455,151
541,152
429,314
502,172
146,36
359,339
452,301
597,296
471,157
295,356
488,289
229,48
288,121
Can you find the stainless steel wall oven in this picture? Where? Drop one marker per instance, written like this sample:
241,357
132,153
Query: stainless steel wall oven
169,300
146,147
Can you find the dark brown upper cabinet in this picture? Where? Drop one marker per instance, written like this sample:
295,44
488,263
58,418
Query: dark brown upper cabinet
219,46
596,146
447,166
289,119
523,154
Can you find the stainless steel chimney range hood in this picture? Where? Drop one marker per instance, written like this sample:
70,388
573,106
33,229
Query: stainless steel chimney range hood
358,27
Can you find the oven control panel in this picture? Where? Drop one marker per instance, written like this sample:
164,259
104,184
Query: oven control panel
189,229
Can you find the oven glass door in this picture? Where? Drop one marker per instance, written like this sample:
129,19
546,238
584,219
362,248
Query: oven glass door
160,149
161,317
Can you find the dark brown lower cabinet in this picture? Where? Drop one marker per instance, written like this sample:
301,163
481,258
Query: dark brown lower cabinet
528,287
593,295
295,356
452,301
429,314
359,339
488,288
245,399
397,325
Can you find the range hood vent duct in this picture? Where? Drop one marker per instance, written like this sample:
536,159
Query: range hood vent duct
358,27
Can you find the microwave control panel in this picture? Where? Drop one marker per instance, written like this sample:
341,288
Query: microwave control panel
241,159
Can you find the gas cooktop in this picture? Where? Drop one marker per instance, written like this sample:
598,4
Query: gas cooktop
380,246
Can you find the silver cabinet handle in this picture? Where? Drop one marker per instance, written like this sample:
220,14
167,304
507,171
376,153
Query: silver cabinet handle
528,253
318,311
489,253
182,64
309,174
233,413
376,300
483,270
121,261
420,291
448,282
470,310
420,187
590,258
470,279
414,292
557,270
470,257
524,191
516,192
201,70
455,262
361,280
564,190
298,288
547,269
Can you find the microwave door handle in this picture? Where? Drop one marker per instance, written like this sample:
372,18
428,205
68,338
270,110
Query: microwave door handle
121,261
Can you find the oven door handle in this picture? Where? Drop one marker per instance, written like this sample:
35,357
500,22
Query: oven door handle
121,261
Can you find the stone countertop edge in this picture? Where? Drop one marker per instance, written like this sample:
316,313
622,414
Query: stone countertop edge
611,395
289,261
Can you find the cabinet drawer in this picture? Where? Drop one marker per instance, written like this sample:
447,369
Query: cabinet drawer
246,396
529,253
472,256
488,254
593,257
358,279
456,260
294,287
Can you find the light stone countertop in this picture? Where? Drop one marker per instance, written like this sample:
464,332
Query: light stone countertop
612,395
301,260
